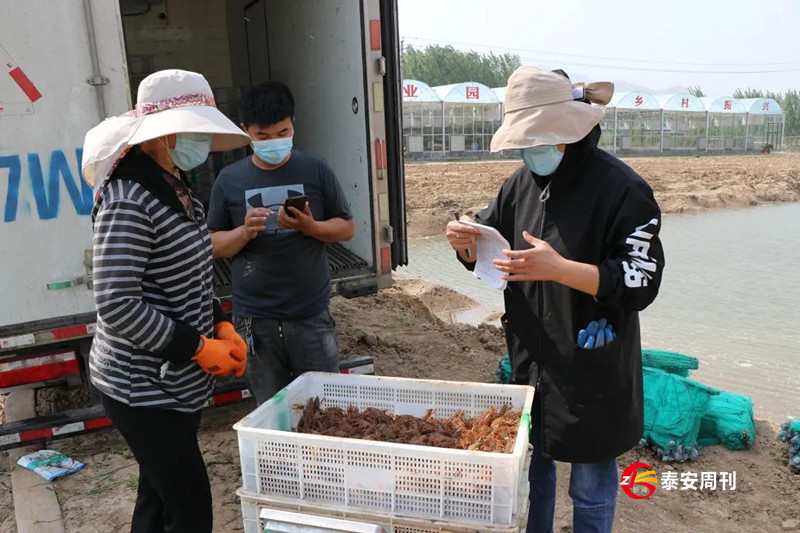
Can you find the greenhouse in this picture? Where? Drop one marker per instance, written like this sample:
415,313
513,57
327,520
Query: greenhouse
633,122
472,113
459,120
727,119
765,124
500,92
684,120
422,118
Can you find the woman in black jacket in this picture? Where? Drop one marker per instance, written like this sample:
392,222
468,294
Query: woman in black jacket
584,230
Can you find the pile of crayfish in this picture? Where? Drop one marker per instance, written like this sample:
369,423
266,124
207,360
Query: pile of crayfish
494,430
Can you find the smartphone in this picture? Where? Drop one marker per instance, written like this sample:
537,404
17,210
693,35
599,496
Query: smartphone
298,202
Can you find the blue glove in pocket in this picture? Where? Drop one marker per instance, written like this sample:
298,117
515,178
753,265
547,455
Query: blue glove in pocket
596,335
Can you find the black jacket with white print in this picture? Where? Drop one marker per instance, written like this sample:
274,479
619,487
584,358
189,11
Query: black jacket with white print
589,403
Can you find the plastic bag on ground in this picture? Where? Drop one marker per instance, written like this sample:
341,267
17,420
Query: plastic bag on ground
50,464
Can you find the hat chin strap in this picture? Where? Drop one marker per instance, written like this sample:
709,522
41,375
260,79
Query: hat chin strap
161,157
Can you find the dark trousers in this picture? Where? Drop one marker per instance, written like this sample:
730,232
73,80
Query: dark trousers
284,349
174,492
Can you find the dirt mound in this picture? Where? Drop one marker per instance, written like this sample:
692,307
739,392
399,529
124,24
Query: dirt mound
406,339
681,184
440,301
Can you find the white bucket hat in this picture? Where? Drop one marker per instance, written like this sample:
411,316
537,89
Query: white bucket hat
168,102
541,109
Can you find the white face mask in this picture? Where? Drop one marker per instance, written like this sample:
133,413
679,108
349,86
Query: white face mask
191,150
542,160
273,151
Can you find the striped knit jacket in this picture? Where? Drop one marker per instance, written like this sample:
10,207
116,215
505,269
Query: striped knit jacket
153,290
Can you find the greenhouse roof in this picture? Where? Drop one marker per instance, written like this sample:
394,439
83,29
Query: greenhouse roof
723,104
761,106
469,92
635,100
681,102
418,91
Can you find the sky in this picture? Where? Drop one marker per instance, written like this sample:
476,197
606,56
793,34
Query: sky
640,45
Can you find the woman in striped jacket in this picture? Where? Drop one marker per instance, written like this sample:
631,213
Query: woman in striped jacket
161,335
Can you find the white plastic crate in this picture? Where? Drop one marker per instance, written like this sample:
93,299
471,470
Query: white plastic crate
274,520
457,486
255,522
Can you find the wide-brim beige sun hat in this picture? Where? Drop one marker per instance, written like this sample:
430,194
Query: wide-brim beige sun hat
541,109
179,101
168,102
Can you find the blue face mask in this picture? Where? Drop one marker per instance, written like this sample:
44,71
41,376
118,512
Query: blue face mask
191,150
273,151
542,160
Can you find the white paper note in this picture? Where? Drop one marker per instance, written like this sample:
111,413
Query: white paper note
490,246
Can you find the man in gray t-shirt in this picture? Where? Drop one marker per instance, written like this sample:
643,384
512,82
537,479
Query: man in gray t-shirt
281,278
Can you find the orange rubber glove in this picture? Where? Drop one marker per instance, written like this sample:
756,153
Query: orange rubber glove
225,331
220,358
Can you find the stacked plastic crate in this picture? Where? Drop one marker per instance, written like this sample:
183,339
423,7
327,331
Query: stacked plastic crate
402,488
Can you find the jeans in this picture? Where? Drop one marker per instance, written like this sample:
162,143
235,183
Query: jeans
284,349
174,493
592,487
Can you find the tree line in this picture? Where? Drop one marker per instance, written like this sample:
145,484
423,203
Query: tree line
444,65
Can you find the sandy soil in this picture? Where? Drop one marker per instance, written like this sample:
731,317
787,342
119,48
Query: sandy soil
401,329
409,332
7,522
100,498
681,184
406,339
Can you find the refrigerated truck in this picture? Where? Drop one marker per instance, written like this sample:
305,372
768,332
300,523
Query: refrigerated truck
67,65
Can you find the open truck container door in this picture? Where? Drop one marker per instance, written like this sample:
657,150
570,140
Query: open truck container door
332,56
393,96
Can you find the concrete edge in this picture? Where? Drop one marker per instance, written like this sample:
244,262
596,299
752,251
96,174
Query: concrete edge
36,507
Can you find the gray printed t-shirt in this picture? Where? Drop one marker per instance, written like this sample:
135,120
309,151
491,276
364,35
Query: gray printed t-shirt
282,273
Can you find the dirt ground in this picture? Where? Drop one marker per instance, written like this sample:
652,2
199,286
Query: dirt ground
681,184
402,329
408,331
7,522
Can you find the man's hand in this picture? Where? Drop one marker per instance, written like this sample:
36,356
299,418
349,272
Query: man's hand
540,263
302,221
462,237
255,221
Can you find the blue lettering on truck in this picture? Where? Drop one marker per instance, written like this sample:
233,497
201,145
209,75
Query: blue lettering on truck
46,192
